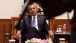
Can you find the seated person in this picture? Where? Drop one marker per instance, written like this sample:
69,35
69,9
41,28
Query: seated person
33,26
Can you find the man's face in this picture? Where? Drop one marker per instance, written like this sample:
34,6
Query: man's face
32,10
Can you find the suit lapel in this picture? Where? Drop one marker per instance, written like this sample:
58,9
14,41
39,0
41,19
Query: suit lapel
29,19
38,18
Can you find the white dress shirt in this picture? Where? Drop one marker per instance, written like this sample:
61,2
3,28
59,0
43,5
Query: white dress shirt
36,23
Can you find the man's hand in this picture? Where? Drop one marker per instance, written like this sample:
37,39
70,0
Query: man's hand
51,34
18,34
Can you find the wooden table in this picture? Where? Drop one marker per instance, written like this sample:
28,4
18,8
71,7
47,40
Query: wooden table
61,35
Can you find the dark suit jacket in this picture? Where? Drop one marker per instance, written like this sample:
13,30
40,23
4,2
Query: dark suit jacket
54,8
29,32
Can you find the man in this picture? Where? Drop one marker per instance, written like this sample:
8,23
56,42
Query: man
33,29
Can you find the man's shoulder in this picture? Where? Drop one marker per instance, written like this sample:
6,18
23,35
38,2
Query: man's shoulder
27,16
41,16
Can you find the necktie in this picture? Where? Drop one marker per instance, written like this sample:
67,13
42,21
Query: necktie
33,22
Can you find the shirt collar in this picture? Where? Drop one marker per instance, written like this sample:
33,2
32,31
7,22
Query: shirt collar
35,16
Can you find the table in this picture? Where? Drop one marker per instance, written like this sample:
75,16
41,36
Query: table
62,35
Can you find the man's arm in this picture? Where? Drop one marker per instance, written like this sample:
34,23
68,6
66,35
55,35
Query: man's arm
48,30
20,31
46,26
18,34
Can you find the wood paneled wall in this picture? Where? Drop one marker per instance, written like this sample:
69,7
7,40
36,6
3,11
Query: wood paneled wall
7,25
5,30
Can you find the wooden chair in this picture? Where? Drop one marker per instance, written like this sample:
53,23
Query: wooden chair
15,20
